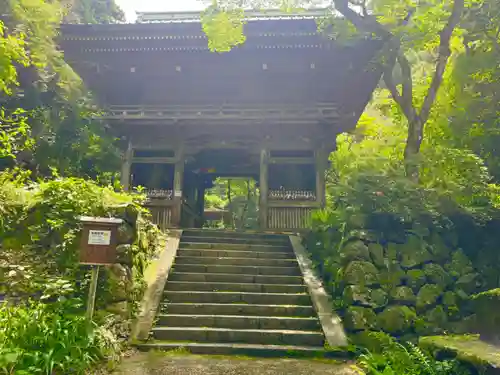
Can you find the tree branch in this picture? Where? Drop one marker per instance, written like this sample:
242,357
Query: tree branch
362,23
442,60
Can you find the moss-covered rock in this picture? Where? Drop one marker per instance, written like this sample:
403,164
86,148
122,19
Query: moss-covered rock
414,252
450,303
469,283
361,273
487,310
363,234
377,254
354,250
364,296
428,296
403,295
415,279
359,318
459,265
396,319
483,357
392,252
438,248
392,277
437,275
437,319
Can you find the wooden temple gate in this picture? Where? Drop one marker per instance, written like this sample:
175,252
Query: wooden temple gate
270,109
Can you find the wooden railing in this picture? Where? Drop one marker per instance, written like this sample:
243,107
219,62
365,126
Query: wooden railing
164,213
222,112
289,218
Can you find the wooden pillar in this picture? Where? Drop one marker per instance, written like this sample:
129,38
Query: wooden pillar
178,180
264,188
321,166
127,167
200,202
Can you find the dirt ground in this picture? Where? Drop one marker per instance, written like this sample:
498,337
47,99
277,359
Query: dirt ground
185,364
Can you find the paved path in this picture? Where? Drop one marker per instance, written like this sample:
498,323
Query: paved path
156,364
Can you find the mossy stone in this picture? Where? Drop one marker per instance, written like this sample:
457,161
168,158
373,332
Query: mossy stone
459,265
438,248
437,318
392,252
487,310
415,279
428,295
354,250
359,318
469,283
367,340
396,319
363,234
450,298
361,273
450,304
437,275
363,296
392,277
414,252
377,254
403,295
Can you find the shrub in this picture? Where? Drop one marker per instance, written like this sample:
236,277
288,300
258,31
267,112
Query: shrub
38,338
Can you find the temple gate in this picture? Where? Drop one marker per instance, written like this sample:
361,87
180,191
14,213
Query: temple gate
270,109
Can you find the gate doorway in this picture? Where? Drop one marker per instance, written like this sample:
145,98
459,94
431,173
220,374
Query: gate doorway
232,203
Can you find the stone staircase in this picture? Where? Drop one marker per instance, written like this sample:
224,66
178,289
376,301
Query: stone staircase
236,293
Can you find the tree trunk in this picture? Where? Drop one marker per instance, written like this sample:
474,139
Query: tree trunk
412,148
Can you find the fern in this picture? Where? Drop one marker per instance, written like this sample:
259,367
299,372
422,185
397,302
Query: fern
390,357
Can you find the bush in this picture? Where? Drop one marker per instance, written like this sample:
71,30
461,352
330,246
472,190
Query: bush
38,338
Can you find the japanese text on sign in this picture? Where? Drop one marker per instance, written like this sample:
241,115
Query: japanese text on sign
99,237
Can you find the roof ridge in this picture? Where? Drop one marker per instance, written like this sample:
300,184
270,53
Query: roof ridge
195,16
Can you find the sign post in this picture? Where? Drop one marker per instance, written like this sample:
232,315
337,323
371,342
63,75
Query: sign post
97,248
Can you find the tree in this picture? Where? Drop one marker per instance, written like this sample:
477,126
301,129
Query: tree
93,11
48,118
402,25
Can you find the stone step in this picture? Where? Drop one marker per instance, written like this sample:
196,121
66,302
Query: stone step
234,240
234,234
238,297
253,350
239,246
239,322
244,270
237,261
245,336
237,309
235,287
233,278
209,253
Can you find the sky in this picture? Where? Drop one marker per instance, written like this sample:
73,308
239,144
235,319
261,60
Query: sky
131,6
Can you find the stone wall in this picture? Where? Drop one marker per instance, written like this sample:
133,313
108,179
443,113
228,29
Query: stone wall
406,288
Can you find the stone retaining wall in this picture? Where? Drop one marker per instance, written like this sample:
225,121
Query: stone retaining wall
407,288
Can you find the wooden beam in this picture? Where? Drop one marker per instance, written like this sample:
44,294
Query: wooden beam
291,160
126,167
264,187
154,160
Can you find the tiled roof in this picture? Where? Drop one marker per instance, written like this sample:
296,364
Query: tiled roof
272,14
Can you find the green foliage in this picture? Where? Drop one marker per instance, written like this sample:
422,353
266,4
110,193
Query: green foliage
39,338
47,115
239,197
94,11
388,357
